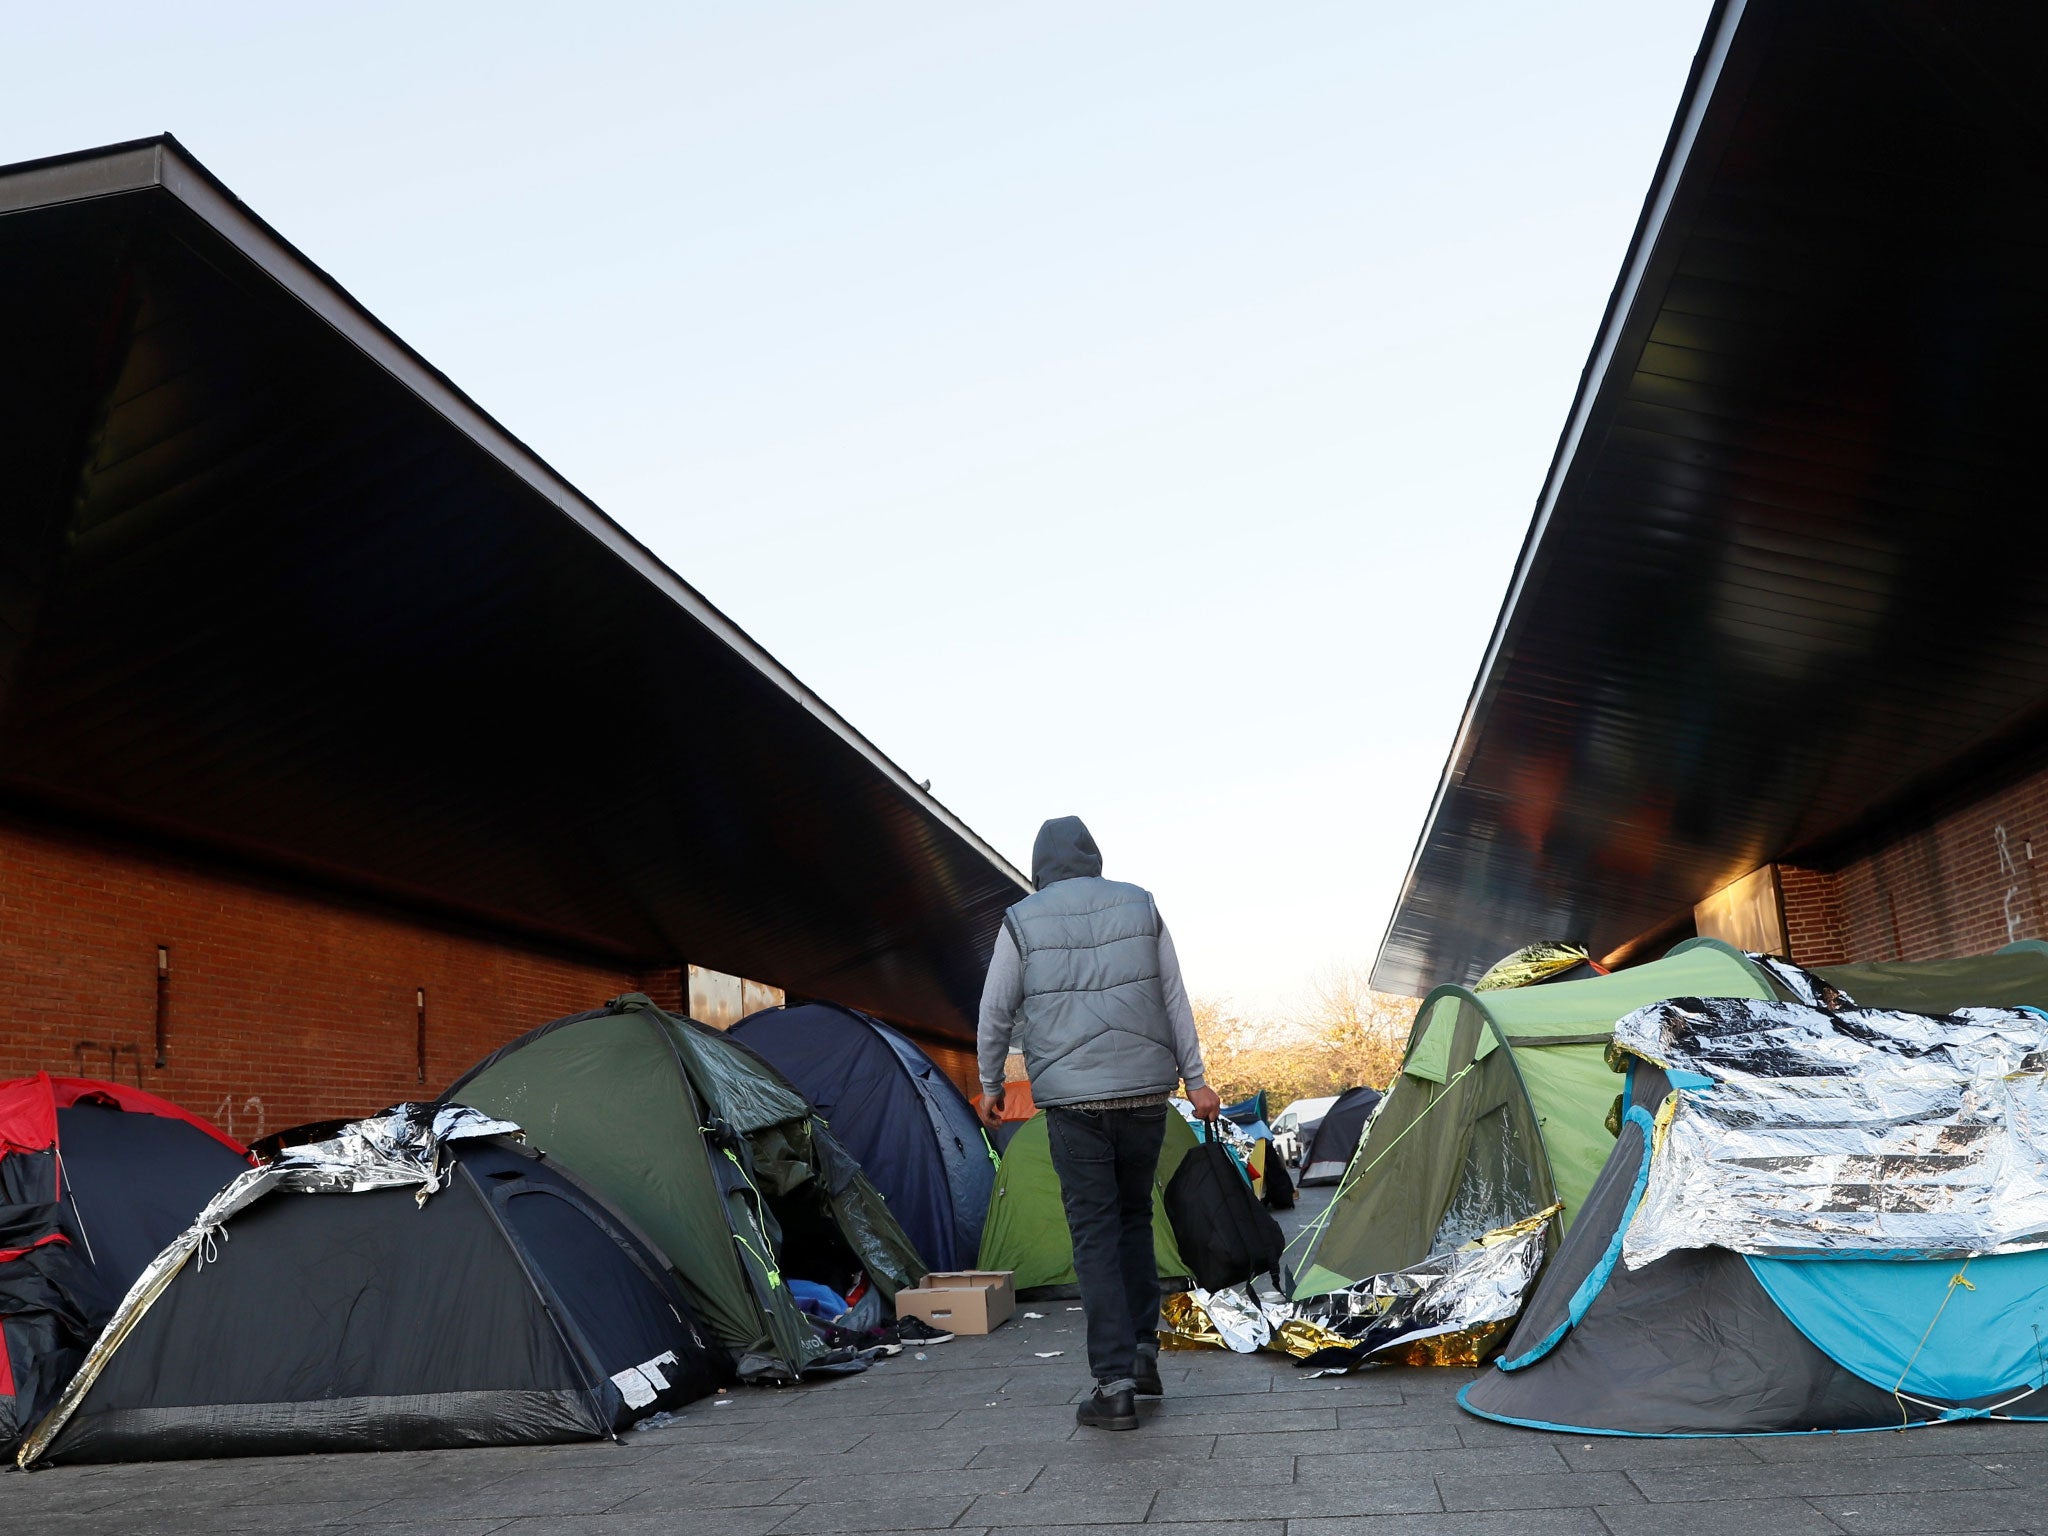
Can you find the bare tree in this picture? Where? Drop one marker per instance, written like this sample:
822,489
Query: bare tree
1341,1035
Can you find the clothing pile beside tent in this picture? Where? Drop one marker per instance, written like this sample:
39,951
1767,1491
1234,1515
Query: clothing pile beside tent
1818,1216
409,1281
710,1151
95,1179
908,1127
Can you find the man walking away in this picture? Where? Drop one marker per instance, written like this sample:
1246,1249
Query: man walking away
1085,975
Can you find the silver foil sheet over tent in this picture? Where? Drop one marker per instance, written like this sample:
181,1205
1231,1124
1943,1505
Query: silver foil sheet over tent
1824,1128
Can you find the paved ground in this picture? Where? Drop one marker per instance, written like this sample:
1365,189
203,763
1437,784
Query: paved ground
979,1436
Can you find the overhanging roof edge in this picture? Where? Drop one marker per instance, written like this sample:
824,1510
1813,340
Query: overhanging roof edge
1706,71
164,163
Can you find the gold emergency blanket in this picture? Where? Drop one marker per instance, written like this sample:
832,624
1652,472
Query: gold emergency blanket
1451,1309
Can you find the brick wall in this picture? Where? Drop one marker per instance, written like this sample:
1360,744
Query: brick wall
286,1005
1813,919
1963,886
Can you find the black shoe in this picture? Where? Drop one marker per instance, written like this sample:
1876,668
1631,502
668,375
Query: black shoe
915,1330
1108,1410
1147,1377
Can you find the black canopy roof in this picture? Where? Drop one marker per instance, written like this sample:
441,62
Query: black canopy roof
1787,583
272,586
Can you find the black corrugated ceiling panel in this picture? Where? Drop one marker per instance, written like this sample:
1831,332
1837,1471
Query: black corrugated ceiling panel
280,591
1787,576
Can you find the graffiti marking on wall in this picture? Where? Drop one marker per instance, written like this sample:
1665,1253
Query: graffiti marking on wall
245,1121
2010,871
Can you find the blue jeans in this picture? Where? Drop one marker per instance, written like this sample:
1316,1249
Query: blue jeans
1106,1160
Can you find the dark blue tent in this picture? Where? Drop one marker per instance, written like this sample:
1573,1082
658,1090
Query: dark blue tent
889,1104
1248,1111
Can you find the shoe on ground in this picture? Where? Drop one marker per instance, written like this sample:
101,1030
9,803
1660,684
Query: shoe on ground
1147,1377
915,1330
1108,1410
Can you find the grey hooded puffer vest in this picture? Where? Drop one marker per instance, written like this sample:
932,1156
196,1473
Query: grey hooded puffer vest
1093,1021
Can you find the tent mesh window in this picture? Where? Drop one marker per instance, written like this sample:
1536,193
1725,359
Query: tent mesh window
1494,1187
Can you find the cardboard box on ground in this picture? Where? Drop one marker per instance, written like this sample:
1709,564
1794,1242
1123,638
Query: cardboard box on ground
962,1300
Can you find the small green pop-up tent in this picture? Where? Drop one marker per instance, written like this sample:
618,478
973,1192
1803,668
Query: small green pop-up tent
1026,1229
1500,1111
715,1156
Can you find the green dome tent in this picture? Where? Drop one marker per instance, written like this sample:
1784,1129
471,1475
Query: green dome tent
713,1155
1026,1229
2013,977
1499,1111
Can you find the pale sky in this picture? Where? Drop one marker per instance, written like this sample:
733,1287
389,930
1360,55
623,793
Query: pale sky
1128,410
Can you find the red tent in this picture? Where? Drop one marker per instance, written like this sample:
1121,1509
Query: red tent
95,1179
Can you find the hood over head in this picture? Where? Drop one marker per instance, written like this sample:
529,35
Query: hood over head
1065,850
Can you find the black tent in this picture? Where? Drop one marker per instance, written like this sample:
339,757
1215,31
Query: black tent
1336,1139
488,1300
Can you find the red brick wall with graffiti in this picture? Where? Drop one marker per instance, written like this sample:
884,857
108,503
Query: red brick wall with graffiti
283,1004
1965,885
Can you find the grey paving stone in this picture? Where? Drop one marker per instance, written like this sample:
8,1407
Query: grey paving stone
1296,1501
1286,1411
1331,1442
884,1442
2028,1469
187,1517
1071,1507
1738,1517
924,1509
793,1433
1810,1479
1095,1450
863,1482
1155,1528
1477,1431
1392,1466
1518,1522
1617,1452
544,1491
1179,1415
721,1494
1246,1472
1355,1415
1934,1514
902,1459
710,1522
1965,1439
1535,1490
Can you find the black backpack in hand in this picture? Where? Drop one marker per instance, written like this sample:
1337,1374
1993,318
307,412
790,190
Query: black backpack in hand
1223,1231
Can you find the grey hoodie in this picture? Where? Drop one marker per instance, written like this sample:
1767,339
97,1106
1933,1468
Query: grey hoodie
1066,850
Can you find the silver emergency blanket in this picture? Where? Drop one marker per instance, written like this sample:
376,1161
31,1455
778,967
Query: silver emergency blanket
400,1146
1450,1308
1829,1128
